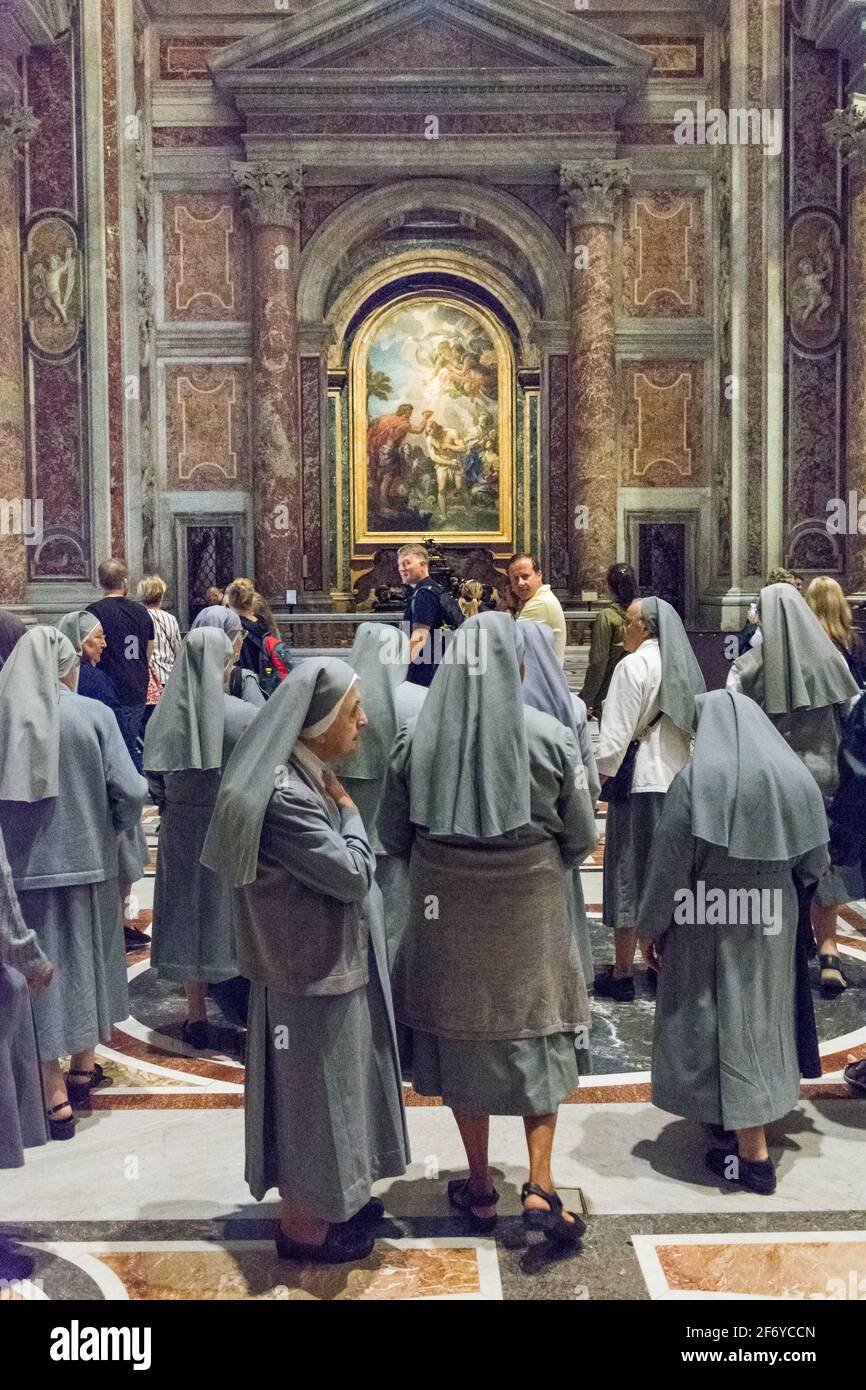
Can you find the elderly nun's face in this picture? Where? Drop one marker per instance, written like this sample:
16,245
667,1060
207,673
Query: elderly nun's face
342,737
94,645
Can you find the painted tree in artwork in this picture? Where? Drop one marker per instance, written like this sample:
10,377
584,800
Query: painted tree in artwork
379,386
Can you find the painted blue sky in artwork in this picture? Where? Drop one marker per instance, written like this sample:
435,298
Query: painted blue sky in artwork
415,346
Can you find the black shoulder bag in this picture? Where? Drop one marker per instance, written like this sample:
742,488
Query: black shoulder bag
618,788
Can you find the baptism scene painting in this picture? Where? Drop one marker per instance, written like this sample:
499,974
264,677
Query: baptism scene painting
433,455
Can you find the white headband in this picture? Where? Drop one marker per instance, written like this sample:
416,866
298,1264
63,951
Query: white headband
323,725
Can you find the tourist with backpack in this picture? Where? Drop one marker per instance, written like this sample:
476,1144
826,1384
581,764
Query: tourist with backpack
429,610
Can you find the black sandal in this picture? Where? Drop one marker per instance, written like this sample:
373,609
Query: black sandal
60,1129
552,1224
460,1197
79,1091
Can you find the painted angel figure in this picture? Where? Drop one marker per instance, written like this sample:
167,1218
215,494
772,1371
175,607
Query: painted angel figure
49,286
811,289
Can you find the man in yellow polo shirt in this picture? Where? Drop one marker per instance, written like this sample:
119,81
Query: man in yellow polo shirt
536,600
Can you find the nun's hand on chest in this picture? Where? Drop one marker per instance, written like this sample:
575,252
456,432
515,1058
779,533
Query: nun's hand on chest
335,789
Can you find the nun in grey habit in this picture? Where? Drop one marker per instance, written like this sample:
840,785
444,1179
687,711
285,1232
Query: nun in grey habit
228,620
133,854
189,740
734,1025
484,792
802,682
379,657
22,1117
324,1106
650,703
22,963
67,787
545,687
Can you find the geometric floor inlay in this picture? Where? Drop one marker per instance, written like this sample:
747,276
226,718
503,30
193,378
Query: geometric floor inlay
770,1265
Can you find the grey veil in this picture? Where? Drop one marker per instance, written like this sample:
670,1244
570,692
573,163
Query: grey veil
310,693
681,679
470,759
187,727
751,794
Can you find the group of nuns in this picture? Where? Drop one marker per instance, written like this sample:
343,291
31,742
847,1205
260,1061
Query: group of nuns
395,872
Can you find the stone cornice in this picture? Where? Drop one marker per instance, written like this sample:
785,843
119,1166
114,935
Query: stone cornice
839,24
592,191
270,192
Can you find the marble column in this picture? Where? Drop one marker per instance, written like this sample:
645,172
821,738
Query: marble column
271,196
847,131
17,126
591,192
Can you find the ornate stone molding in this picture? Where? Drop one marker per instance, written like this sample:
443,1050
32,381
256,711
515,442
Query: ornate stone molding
847,132
270,193
592,191
27,23
18,125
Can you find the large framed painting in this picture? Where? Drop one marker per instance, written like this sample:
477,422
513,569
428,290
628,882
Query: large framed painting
432,382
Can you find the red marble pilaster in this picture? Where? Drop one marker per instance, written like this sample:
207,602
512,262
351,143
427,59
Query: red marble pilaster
592,193
271,195
17,126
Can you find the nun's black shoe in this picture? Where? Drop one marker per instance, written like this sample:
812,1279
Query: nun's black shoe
344,1244
461,1196
610,986
135,940
833,982
373,1211
757,1177
60,1128
196,1034
552,1223
79,1091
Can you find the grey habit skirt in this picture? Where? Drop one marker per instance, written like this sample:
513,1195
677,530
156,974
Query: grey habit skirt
323,1098
631,825
193,925
133,855
22,1117
502,956
78,928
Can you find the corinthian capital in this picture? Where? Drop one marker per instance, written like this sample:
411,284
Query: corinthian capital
270,193
592,190
17,125
847,131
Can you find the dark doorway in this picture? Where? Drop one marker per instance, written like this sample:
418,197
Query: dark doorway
209,563
662,562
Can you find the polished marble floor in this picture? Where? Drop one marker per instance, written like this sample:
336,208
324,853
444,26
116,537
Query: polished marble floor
149,1202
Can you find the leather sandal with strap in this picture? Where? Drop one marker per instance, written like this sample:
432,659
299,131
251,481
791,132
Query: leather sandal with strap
60,1129
461,1197
79,1091
552,1223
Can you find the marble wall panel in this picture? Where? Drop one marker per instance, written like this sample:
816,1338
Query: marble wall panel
413,123
184,56
664,255
311,457
59,462
113,279
206,136
544,202
205,257
207,426
51,157
673,56
319,201
662,406
558,472
815,292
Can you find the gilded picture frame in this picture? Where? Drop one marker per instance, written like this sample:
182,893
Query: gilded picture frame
445,470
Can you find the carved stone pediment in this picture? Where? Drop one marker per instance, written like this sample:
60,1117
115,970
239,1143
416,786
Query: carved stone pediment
402,51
